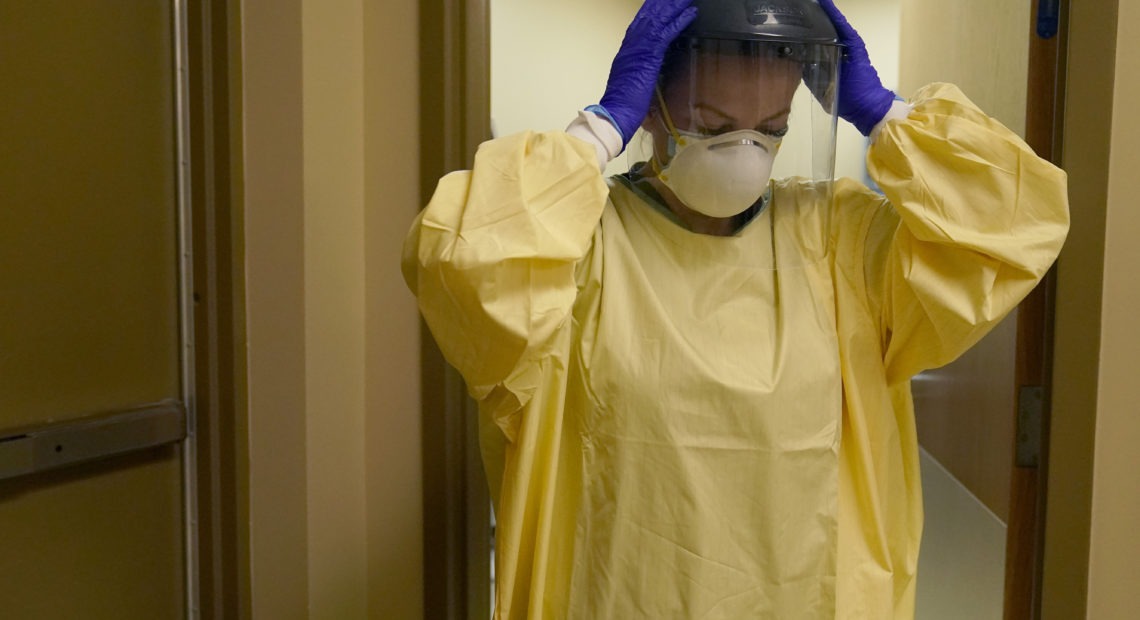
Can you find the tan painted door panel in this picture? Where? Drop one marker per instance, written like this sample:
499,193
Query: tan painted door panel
89,306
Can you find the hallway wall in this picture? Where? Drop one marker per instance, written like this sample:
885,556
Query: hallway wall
1115,545
394,483
330,186
272,161
1091,544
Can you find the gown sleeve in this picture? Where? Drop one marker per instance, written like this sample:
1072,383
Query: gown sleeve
492,261
975,219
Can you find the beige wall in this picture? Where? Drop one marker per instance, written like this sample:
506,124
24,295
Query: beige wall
392,364
332,37
551,59
966,42
330,185
1115,544
878,22
273,203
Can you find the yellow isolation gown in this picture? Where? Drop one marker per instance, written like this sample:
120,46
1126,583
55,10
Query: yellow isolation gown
678,425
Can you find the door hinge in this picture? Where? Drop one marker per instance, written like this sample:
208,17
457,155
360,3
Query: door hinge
1030,408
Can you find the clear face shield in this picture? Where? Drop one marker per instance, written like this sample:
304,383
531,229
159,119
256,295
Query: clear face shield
747,127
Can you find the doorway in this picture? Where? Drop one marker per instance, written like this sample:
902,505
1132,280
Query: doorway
525,94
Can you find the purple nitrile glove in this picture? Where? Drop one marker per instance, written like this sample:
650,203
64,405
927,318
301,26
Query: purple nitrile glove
633,75
863,101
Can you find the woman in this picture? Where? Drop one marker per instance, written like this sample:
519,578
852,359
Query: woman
693,381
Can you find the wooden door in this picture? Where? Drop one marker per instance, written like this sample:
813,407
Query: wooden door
93,359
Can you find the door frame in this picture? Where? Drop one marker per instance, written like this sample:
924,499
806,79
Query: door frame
1084,150
455,117
217,506
187,312
1025,534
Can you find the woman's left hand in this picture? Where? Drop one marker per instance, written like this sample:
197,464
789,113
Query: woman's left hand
863,100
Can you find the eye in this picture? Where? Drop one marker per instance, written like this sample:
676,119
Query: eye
779,133
714,131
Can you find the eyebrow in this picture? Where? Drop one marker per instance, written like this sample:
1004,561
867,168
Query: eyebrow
704,106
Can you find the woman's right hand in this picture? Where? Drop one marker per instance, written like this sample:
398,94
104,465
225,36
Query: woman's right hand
633,75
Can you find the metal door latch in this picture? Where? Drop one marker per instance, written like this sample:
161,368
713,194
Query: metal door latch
89,439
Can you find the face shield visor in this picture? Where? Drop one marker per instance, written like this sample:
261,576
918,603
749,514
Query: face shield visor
744,126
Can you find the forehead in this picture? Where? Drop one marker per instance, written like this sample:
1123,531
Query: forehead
732,80
755,65
722,72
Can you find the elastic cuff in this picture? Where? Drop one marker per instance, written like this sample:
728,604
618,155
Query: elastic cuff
899,109
601,111
596,130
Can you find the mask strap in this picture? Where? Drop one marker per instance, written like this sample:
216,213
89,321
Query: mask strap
657,167
665,114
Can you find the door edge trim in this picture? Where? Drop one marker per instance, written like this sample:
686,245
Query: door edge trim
181,37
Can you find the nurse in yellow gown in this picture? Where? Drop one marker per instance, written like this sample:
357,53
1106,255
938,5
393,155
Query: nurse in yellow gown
688,414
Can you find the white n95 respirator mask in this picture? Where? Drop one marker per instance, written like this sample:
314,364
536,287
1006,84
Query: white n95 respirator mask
720,176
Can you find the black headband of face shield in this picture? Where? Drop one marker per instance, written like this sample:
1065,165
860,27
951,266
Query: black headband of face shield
797,52
820,62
